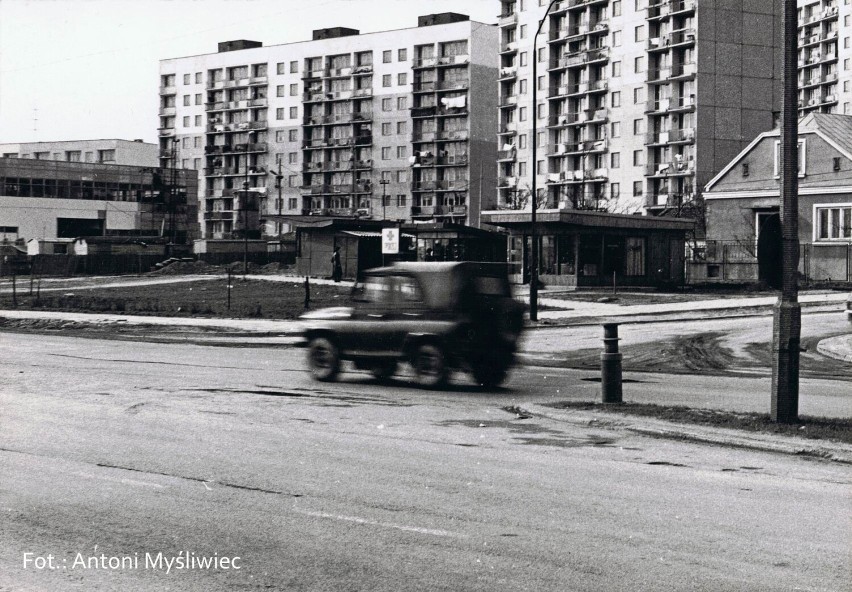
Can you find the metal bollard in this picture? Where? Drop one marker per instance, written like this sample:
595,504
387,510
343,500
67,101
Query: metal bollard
307,293
611,366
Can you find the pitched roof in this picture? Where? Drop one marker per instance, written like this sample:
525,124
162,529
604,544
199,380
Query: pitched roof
837,128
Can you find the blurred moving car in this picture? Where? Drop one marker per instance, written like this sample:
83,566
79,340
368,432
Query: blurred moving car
435,316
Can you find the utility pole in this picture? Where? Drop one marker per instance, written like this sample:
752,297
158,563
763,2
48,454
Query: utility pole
245,209
787,318
384,183
534,167
173,194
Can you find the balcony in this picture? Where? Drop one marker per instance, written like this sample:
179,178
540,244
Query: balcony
670,104
428,211
508,48
563,119
675,38
673,136
424,86
451,135
313,96
580,58
507,155
460,84
424,185
509,128
362,70
423,136
168,110
220,215
670,169
456,60
343,72
504,20
444,210
508,101
430,111
668,8
508,73
453,160
427,62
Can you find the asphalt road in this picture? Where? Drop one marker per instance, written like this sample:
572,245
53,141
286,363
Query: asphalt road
115,451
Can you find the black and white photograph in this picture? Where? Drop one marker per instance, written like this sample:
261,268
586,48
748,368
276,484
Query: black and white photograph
398,296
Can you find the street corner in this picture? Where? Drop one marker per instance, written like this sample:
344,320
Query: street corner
838,347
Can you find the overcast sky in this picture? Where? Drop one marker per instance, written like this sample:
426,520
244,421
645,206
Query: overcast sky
88,69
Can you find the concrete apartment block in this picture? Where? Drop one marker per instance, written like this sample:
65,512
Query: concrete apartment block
825,56
640,103
393,125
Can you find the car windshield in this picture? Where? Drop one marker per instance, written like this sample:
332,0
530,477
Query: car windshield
387,290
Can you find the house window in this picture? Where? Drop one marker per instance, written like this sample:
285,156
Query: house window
401,151
279,113
279,136
280,90
802,158
387,55
294,112
293,157
401,127
72,156
615,190
616,69
387,104
386,152
386,128
280,68
106,155
833,222
402,103
401,176
187,79
294,90
615,98
386,80
402,55
401,201
637,188
198,99
294,66
186,100
616,160
198,78
402,79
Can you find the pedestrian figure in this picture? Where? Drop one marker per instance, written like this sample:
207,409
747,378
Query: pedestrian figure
430,256
336,269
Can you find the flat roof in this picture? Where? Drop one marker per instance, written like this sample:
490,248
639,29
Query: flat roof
585,218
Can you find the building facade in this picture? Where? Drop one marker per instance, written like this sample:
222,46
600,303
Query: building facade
50,199
825,56
743,204
377,126
638,103
129,152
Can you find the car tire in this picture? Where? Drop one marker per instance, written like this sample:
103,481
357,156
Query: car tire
430,366
491,371
384,370
323,359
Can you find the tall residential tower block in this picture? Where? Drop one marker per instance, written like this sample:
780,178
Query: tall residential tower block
395,125
639,104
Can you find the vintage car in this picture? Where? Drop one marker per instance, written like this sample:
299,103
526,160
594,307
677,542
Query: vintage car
438,317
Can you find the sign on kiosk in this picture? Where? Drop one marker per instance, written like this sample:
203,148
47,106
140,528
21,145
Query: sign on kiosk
390,241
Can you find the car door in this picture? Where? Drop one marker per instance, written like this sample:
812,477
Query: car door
370,330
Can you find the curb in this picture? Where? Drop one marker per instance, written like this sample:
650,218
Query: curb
836,452
829,348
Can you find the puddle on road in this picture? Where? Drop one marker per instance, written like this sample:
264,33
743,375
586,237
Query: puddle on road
531,433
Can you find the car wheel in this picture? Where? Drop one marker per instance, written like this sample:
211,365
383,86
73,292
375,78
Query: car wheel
491,371
430,366
323,359
384,370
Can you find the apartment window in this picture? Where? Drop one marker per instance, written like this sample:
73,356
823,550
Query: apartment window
401,151
833,222
196,142
89,156
294,112
637,188
197,121
186,121
542,54
386,56
522,169
294,135
638,127
198,99
615,130
280,90
615,190
184,163
280,136
542,139
386,80
185,143
615,160
401,200
616,69
641,5
522,30
292,203
402,55
294,90
542,83
293,157
187,79
639,33
638,95
294,66
522,141
167,80
522,114
615,98
280,68
616,38
745,169
106,155
639,64
73,156
198,78
638,157
522,87
279,113
616,7
387,104
402,79
401,127
386,129
401,176
187,100
539,167
523,58
196,163
386,152
41,155
402,103
293,180
541,110
846,63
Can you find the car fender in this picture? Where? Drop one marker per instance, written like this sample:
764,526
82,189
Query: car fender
415,340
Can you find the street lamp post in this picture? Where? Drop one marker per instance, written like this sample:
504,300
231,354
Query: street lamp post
384,183
173,195
534,196
787,319
245,209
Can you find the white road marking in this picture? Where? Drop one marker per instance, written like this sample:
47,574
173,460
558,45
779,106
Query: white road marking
368,522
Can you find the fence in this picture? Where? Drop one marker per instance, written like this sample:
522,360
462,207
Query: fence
737,262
